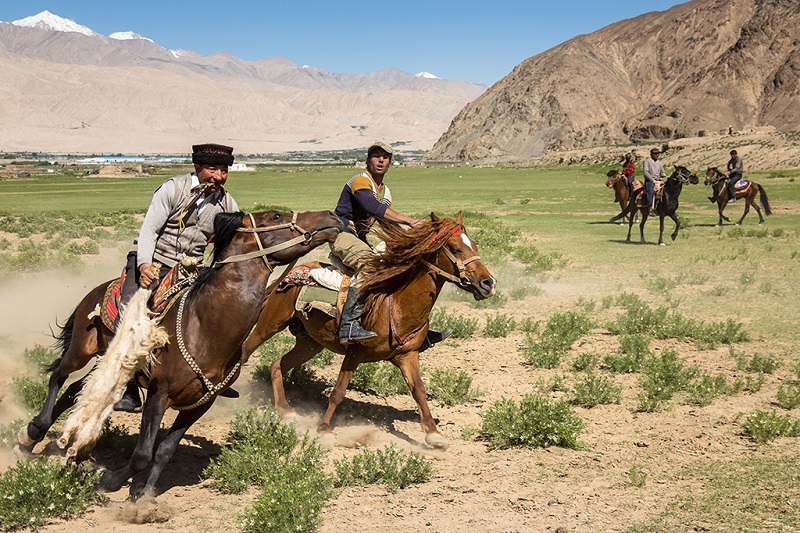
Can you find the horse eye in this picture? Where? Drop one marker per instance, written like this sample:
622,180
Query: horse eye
276,216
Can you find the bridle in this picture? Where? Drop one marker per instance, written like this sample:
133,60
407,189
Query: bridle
304,238
459,267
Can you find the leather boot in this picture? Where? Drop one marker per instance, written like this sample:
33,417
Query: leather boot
731,195
350,329
131,401
434,337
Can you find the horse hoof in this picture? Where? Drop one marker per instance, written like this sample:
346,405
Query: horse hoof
24,438
435,440
327,440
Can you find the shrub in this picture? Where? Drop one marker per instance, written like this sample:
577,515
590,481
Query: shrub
381,378
764,427
450,387
387,466
499,325
596,389
463,328
30,392
555,339
31,493
637,476
534,260
536,422
757,363
789,396
8,432
586,361
707,389
89,247
663,377
40,357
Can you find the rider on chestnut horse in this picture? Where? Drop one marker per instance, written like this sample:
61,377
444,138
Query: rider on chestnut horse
364,198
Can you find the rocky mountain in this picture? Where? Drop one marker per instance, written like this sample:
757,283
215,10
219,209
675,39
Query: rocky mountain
68,89
697,69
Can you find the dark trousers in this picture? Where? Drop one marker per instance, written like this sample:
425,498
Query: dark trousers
732,179
131,283
650,190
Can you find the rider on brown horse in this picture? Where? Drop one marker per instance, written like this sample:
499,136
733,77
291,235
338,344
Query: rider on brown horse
735,171
364,198
176,230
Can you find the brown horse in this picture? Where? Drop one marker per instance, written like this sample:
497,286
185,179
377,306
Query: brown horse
206,331
622,192
718,181
402,285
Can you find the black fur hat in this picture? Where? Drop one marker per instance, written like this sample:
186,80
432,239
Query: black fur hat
212,154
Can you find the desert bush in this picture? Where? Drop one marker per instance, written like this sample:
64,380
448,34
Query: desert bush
8,432
88,247
637,476
495,238
387,466
765,426
663,377
789,396
463,328
595,389
757,363
585,361
499,325
708,388
555,339
31,493
534,260
32,393
381,378
536,421
450,387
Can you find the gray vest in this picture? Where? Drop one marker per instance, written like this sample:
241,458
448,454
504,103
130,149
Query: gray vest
187,232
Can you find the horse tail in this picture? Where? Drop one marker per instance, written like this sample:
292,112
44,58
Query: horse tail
63,340
764,200
137,335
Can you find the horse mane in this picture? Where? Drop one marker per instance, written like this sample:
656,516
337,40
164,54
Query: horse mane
399,264
225,226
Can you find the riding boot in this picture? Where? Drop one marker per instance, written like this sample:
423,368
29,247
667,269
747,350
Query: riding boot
230,392
350,329
731,195
434,337
131,401
653,207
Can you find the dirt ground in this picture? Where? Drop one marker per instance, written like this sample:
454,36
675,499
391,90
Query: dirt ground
473,488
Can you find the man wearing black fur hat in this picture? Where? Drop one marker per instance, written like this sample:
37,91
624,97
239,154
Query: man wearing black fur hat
177,227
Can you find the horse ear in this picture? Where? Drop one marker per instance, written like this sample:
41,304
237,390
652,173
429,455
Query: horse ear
460,218
434,218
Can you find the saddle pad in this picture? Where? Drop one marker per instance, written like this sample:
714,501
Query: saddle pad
742,185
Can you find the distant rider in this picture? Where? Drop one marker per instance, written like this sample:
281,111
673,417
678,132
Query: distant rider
735,171
653,172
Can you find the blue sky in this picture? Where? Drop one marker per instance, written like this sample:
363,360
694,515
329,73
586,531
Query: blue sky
478,41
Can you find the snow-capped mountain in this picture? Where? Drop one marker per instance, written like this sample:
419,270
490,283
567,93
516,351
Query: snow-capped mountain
128,36
48,21
427,75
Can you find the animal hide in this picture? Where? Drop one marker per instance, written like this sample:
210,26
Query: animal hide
137,336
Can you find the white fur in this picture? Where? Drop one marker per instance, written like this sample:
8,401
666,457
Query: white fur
137,335
466,240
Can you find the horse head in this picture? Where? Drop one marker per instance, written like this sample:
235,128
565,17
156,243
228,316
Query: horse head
613,176
713,175
684,175
473,275
277,237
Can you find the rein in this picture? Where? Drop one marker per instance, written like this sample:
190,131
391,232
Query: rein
262,252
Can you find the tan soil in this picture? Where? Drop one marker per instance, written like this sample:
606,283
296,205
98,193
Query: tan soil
474,488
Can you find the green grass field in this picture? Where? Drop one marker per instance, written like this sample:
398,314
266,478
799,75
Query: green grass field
555,217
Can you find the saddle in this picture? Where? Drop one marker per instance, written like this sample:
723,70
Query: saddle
742,186
160,301
323,287
641,200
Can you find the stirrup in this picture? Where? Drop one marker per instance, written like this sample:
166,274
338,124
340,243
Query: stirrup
354,332
434,337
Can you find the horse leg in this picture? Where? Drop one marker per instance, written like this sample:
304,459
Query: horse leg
166,449
630,227
645,213
152,414
675,219
661,230
758,210
748,201
304,349
409,365
339,390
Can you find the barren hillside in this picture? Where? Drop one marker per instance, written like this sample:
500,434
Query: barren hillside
700,68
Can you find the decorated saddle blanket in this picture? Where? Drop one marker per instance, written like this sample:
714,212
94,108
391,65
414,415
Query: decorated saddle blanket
637,185
742,186
324,287
161,300
641,200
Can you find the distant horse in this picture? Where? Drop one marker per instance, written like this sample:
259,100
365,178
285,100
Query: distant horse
402,285
622,192
665,206
718,181
206,331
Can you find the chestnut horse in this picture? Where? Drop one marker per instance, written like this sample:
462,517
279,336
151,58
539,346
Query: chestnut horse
666,206
617,181
206,331
719,182
402,285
